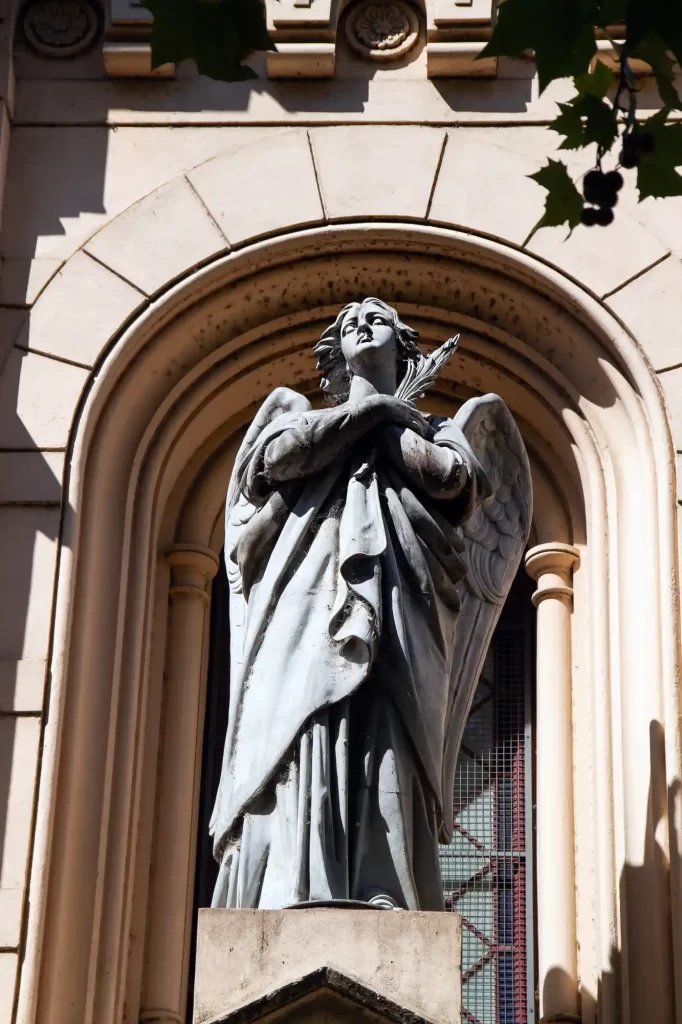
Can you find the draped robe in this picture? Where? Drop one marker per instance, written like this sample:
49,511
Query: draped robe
343,612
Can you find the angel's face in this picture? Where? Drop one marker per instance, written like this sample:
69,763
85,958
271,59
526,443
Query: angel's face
368,340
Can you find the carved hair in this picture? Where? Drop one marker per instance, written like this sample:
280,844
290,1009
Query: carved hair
330,359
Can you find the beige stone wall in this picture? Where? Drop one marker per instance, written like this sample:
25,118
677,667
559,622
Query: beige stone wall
117,193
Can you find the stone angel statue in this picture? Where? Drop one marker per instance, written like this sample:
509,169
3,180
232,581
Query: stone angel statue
369,550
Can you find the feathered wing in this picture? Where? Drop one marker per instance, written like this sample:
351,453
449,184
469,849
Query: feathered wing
494,537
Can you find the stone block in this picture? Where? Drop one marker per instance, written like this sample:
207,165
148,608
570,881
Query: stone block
651,307
9,963
486,188
28,546
11,906
80,311
11,323
600,260
19,741
31,477
412,959
261,188
160,238
376,171
38,397
22,280
22,684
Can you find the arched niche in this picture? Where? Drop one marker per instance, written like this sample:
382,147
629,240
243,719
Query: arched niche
150,456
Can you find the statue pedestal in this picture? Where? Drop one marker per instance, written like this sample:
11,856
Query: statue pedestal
327,964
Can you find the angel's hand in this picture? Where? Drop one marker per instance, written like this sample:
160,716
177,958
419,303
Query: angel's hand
402,414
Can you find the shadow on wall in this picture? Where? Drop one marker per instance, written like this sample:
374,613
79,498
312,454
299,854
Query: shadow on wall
646,922
30,498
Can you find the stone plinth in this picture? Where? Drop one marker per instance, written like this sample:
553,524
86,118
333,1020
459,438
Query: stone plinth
328,963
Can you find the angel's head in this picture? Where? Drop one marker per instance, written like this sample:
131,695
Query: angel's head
368,339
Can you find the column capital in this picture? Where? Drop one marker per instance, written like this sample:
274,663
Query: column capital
193,567
554,557
552,566
193,556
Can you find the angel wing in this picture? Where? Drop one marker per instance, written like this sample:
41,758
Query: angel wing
494,538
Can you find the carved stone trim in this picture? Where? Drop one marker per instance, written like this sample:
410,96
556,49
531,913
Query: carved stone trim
382,30
61,28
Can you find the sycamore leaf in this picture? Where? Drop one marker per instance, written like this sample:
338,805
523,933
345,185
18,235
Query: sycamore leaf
656,172
611,12
662,17
217,34
563,202
595,82
654,51
561,33
584,120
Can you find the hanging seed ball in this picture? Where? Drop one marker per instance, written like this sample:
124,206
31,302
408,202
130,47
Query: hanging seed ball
614,180
589,216
593,186
604,217
601,189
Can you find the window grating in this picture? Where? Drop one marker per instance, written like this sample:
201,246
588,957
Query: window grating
486,870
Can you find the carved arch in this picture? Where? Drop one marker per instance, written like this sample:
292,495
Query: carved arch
150,452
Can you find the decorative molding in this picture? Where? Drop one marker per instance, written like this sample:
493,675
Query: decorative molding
61,28
382,30
133,60
458,60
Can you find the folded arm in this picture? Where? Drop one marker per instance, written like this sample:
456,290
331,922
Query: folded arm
438,470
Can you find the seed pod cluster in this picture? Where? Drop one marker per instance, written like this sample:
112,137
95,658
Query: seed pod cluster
601,191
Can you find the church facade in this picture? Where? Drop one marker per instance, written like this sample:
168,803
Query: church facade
172,248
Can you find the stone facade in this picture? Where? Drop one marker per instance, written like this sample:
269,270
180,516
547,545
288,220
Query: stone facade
170,250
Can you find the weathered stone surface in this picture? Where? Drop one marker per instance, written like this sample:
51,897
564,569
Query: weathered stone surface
38,397
11,903
19,737
31,477
8,973
21,280
159,238
76,320
631,249
22,682
413,959
28,546
238,188
487,188
651,307
376,171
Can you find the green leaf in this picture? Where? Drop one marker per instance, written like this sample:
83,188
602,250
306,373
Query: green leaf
611,12
596,82
653,50
662,17
563,203
656,172
585,120
561,33
216,34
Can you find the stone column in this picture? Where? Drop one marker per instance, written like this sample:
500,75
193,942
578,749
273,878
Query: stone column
172,870
552,566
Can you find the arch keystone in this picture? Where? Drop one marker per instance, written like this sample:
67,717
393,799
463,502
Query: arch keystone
377,171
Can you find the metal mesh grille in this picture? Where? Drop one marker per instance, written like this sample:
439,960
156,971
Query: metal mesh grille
484,869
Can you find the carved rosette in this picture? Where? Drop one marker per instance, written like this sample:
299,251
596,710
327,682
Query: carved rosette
382,30
61,28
